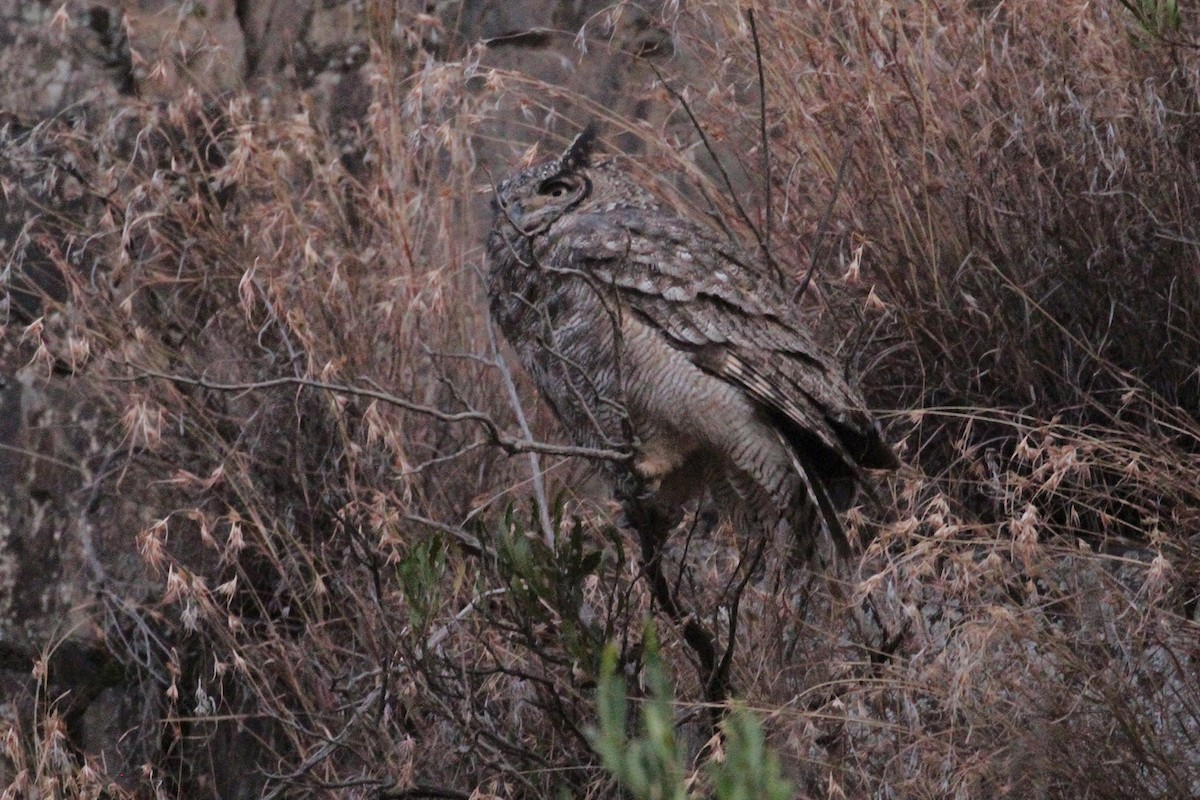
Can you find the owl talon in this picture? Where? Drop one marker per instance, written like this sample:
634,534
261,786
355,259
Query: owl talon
648,489
648,494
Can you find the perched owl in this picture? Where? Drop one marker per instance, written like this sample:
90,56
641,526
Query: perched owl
649,333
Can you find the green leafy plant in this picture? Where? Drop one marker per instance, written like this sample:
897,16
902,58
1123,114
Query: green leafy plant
1159,18
546,582
421,574
651,763
750,770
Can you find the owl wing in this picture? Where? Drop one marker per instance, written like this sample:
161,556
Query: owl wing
710,300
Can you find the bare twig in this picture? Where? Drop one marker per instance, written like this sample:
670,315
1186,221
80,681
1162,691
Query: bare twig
285,781
508,444
436,792
816,251
468,542
24,451
720,677
733,195
535,461
762,134
652,528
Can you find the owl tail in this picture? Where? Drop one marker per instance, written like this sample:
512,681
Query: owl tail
817,508
797,507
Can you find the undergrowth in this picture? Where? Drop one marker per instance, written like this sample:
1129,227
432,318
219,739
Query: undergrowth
363,578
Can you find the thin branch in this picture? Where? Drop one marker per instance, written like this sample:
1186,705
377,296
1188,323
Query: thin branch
653,527
816,251
535,461
762,134
442,459
286,781
721,673
733,195
43,457
435,792
469,543
508,444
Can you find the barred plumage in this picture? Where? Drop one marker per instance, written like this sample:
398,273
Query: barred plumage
646,331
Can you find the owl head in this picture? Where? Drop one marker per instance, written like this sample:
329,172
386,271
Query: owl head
534,198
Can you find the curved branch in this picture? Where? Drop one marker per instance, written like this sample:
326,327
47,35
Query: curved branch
509,444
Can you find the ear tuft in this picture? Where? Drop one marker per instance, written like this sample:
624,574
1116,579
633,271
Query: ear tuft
579,154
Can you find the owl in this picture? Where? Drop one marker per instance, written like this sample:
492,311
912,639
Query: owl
649,333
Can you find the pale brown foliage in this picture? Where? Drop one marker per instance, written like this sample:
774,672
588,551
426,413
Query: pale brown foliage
1011,262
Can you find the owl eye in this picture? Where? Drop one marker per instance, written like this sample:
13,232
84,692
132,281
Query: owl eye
555,187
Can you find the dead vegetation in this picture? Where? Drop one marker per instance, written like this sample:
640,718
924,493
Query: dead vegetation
354,596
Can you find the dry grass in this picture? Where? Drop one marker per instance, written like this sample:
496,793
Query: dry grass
345,594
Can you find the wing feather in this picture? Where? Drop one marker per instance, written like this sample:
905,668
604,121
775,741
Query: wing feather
708,298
